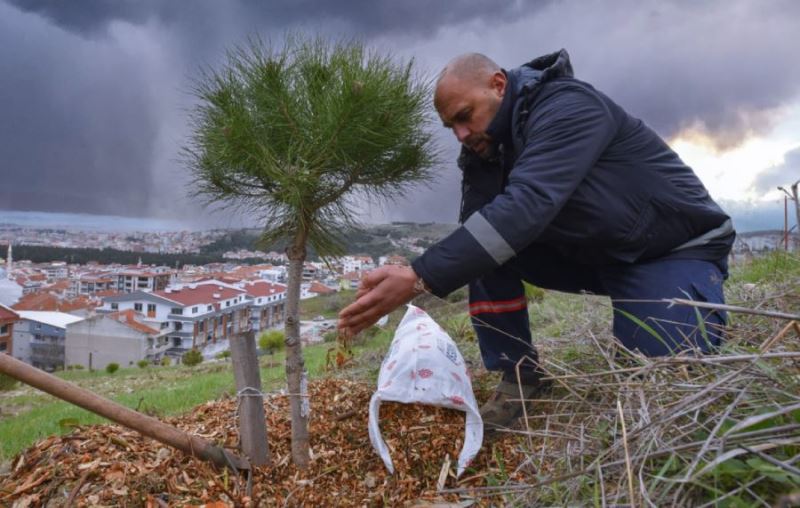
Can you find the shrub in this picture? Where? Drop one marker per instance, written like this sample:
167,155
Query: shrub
224,354
192,357
166,361
143,364
7,382
330,336
112,367
272,341
78,366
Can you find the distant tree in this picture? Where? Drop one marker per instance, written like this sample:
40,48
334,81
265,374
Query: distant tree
292,134
192,357
271,341
112,367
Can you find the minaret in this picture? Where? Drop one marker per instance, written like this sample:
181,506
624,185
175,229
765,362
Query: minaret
9,261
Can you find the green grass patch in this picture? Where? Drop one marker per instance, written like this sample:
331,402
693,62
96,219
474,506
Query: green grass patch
327,306
775,266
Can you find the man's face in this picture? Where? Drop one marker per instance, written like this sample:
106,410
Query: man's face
468,107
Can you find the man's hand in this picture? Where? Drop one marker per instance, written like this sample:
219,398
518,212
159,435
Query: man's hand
381,291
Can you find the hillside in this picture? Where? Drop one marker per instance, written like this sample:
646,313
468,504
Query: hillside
617,429
372,240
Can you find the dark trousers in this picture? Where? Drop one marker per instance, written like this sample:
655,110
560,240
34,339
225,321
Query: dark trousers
499,310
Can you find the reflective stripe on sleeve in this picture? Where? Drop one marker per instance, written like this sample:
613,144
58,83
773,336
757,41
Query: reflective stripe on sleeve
488,238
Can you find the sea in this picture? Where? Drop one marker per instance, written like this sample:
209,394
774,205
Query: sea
89,222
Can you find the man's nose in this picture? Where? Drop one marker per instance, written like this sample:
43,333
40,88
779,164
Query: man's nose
461,132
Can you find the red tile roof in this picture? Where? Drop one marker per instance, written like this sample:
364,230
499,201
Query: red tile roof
320,289
352,276
7,314
59,285
201,294
263,288
48,301
128,317
37,301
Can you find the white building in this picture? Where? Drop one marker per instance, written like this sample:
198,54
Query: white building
357,263
193,315
120,337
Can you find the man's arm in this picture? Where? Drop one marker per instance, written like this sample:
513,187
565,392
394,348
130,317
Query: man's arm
565,137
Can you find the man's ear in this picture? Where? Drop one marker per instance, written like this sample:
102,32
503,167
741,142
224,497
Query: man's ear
498,83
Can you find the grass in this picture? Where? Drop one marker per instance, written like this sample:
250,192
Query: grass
161,391
327,306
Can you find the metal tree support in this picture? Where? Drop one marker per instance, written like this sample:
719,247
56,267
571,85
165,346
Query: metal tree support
145,425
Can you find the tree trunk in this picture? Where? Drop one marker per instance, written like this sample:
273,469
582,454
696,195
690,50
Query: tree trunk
295,366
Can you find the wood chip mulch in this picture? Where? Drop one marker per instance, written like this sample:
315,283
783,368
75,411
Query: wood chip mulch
107,465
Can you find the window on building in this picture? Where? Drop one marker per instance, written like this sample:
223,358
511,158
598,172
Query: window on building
4,330
228,303
194,310
164,324
178,326
137,307
38,326
177,310
114,306
4,346
209,308
151,308
201,326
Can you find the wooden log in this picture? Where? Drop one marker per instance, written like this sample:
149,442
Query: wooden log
252,420
145,425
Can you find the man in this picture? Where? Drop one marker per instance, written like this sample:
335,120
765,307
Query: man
565,190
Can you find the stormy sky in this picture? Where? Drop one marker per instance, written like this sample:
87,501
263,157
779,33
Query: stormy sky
95,94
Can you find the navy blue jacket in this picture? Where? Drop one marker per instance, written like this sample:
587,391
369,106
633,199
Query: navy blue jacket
575,171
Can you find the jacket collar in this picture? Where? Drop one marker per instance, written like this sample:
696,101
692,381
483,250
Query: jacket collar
500,127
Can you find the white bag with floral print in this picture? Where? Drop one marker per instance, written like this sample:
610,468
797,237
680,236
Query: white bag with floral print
424,366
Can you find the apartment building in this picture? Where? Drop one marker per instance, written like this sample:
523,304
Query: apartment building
267,304
157,279
192,316
90,283
39,338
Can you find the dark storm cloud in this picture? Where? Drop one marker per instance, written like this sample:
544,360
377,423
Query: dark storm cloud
73,135
94,93
365,16
784,174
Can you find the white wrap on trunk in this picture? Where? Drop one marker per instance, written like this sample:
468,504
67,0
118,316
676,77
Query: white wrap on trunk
424,366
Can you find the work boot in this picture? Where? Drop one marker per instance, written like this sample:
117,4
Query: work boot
504,407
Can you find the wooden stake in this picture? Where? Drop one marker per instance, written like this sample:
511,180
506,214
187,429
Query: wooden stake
252,420
146,425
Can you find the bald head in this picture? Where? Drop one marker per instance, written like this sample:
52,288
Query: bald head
473,70
469,67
